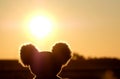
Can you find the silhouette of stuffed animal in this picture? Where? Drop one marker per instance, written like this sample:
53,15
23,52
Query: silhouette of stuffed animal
45,64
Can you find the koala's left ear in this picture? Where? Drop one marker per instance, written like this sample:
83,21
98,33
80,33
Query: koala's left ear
26,54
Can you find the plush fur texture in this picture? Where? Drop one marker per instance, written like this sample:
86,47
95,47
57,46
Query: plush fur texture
44,64
61,52
26,54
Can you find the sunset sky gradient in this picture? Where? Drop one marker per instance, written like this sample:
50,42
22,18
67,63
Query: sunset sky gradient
91,27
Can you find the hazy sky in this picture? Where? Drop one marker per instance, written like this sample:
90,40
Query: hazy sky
91,27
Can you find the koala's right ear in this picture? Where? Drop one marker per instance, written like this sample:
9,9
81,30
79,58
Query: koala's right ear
26,54
61,52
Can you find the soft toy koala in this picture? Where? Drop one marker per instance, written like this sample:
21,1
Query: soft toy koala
44,64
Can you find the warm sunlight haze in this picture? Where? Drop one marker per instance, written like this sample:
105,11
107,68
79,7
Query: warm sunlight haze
90,27
40,26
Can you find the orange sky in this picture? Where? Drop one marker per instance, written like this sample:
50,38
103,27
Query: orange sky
91,27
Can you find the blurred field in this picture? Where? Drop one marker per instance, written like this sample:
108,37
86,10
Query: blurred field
79,68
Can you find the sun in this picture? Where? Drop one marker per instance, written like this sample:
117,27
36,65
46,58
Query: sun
40,26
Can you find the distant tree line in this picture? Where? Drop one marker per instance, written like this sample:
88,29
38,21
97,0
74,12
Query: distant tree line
92,67
79,67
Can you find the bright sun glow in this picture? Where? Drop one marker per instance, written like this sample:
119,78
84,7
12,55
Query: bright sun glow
40,26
